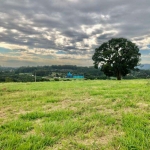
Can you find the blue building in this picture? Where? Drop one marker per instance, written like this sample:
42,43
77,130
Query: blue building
78,77
69,75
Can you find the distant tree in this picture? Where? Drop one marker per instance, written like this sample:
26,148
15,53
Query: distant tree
8,79
117,57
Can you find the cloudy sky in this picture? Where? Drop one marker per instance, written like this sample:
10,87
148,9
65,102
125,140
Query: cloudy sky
60,32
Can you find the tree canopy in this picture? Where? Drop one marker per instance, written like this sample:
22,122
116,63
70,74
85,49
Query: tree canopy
117,57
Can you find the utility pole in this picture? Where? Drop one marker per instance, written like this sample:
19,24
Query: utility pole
35,76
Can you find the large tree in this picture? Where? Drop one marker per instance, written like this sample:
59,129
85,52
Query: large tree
117,57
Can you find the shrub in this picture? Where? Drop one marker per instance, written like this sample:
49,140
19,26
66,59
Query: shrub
56,79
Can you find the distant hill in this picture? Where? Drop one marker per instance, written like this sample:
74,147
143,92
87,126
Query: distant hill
145,66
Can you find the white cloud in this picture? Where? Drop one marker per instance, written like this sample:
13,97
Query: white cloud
39,28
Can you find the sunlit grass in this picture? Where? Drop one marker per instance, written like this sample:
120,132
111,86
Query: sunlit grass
84,115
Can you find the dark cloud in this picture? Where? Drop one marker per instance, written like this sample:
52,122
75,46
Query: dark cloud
105,36
73,26
73,33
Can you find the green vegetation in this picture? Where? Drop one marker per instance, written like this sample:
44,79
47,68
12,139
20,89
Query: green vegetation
46,73
58,73
117,57
78,114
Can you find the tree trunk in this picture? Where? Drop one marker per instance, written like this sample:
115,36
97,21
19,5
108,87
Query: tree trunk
119,75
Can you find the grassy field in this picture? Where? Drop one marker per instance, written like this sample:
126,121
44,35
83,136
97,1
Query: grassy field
75,115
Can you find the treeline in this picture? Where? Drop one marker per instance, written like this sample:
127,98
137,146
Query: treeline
12,77
141,74
45,68
46,73
61,71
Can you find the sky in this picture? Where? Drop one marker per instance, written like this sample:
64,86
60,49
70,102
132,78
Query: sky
66,32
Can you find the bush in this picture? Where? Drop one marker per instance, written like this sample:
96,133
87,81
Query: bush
66,80
102,77
56,79
129,77
7,79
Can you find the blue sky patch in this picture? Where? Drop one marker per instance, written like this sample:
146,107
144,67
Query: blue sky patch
60,52
5,50
148,46
145,52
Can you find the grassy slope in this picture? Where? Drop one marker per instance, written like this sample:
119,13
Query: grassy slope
81,115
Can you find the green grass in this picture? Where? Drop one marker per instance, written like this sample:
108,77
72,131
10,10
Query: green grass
75,115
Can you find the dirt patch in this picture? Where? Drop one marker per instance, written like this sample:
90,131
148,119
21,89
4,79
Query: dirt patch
5,113
22,112
103,140
127,110
142,105
66,104
2,114
30,133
